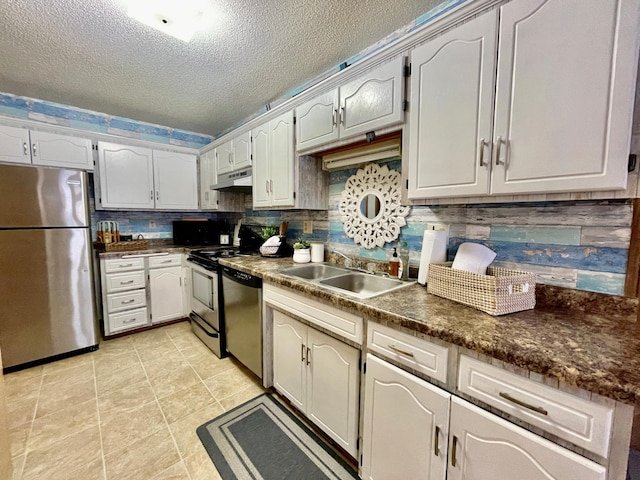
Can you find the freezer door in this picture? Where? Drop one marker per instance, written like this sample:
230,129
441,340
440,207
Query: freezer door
42,197
46,295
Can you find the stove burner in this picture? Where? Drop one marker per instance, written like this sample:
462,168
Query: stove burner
208,258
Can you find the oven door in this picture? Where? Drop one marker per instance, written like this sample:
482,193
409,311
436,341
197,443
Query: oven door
204,295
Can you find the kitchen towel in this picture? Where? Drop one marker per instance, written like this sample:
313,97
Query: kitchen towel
434,250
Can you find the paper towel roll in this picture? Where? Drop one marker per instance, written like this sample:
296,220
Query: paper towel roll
434,250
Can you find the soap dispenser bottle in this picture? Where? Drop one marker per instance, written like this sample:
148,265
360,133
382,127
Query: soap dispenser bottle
394,264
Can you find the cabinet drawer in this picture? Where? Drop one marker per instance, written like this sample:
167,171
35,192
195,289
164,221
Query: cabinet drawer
123,264
119,282
128,319
165,261
577,420
117,302
416,353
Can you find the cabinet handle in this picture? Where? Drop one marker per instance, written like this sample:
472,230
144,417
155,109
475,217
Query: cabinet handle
25,147
342,115
128,282
206,196
335,117
127,302
499,142
308,355
539,410
271,185
302,353
167,261
483,144
125,265
34,148
131,320
436,442
454,446
400,351
266,182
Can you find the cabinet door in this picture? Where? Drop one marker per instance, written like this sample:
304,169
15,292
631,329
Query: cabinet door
126,176
241,151
166,294
333,388
289,359
480,439
14,145
452,82
317,121
208,197
54,150
564,95
281,161
176,180
373,101
403,419
260,175
224,162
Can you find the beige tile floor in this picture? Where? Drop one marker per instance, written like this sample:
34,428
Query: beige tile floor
126,411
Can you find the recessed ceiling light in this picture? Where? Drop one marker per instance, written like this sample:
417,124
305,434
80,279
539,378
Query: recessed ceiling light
180,19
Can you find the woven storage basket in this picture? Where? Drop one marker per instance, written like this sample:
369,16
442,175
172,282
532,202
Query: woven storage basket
498,292
121,246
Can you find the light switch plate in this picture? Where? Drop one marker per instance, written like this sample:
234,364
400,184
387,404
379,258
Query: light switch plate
307,226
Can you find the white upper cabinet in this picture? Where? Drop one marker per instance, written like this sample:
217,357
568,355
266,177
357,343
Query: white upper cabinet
564,95
141,178
557,116
452,82
234,154
19,145
213,199
126,176
14,145
273,164
175,177
318,121
370,102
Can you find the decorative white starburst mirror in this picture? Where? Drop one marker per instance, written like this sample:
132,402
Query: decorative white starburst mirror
370,206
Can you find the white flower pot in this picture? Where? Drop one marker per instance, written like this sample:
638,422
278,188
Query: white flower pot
302,255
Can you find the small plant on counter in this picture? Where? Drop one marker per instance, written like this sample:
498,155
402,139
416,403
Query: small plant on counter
268,232
301,243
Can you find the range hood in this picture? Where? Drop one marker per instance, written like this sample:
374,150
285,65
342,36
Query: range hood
364,154
237,181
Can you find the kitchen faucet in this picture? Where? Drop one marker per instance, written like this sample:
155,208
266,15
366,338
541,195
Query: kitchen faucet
350,261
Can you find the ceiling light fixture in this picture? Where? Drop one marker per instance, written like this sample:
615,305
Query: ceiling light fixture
180,19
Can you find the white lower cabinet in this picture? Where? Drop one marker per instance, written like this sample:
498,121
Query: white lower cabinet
485,447
166,289
405,425
412,429
140,290
320,376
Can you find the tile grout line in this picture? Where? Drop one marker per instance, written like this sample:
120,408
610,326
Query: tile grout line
155,396
33,419
95,382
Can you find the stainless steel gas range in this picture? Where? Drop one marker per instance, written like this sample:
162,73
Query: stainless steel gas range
207,318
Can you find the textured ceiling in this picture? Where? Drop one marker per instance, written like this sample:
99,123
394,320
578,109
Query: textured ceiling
89,54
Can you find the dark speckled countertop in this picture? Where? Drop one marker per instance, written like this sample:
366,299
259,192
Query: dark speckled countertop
597,349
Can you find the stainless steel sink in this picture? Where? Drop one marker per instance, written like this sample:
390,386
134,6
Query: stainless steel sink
314,271
363,285
346,281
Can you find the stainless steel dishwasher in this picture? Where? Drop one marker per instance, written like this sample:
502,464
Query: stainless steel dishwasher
242,300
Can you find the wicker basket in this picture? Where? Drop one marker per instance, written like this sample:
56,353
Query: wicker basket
121,246
499,292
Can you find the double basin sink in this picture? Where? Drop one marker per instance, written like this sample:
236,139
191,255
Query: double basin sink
346,281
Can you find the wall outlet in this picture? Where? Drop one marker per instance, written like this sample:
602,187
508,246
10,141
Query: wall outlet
307,226
152,224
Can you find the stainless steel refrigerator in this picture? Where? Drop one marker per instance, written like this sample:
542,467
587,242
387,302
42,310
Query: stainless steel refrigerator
47,303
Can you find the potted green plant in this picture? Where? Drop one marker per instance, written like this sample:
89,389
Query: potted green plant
302,251
268,232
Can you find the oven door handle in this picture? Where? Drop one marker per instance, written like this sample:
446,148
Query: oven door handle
198,321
